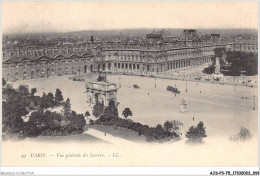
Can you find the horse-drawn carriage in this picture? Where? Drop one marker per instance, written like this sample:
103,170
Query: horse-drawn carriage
173,90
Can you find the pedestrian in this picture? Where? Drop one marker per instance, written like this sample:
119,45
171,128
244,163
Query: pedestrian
148,93
193,118
105,134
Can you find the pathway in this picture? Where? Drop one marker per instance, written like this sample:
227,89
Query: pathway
108,137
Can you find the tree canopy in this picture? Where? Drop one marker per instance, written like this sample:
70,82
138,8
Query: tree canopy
67,107
41,122
87,114
111,109
196,133
237,63
33,91
98,109
58,96
127,112
3,82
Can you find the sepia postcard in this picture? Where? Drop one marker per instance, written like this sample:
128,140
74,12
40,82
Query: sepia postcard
129,84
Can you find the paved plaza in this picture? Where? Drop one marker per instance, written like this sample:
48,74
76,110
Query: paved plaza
220,107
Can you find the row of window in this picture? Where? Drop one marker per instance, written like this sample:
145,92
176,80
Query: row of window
28,53
126,65
142,58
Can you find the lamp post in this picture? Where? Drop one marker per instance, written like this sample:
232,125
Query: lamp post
186,86
155,83
254,103
119,82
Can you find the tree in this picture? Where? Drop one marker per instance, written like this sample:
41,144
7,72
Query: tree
241,62
30,129
172,126
244,133
35,103
44,101
127,112
37,117
111,109
47,101
58,96
196,133
77,121
50,99
176,125
12,123
33,91
159,127
98,109
23,89
167,126
87,114
67,107
3,82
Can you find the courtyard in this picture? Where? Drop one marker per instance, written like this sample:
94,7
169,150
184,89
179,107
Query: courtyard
220,107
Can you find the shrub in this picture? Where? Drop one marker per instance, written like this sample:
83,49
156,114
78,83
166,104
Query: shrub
151,133
98,109
111,109
35,103
243,135
196,133
127,112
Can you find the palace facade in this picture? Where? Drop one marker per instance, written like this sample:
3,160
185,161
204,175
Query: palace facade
148,58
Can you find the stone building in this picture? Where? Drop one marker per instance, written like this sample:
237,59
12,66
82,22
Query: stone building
122,60
139,58
102,92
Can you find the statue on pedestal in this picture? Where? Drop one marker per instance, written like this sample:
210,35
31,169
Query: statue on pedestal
217,66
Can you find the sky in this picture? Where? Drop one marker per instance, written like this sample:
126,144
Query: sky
24,17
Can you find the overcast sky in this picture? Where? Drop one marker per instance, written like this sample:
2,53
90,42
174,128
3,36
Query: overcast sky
19,17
